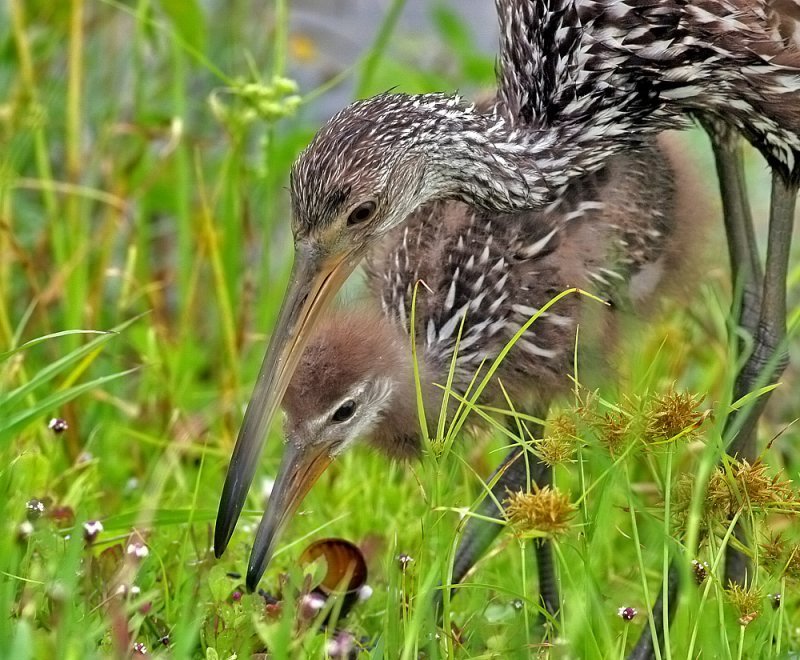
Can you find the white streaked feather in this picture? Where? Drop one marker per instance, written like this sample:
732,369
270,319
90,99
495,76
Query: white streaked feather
529,347
538,246
446,331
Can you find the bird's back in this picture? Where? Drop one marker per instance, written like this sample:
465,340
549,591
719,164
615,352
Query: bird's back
616,235
607,63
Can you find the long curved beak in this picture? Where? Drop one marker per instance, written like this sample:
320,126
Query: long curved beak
315,279
299,470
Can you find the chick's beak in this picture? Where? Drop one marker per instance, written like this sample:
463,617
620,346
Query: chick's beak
315,279
299,470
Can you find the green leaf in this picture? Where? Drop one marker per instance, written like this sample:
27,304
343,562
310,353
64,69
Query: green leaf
453,29
458,36
22,648
30,473
750,397
15,423
188,21
161,517
219,584
54,335
52,370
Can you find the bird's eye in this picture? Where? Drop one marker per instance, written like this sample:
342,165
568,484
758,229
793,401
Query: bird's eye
361,213
345,411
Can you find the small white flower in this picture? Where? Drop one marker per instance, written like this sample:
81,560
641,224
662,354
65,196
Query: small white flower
124,590
35,508
138,550
341,645
313,601
91,528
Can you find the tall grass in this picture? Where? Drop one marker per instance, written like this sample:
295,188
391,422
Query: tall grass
144,154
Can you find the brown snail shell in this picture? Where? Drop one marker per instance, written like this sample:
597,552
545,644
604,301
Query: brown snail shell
346,568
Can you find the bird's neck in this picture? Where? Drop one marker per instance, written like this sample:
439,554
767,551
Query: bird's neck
481,159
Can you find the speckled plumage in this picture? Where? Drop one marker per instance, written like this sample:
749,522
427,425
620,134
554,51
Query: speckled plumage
579,80
738,60
615,233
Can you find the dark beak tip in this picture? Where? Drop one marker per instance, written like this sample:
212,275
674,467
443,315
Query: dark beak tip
252,580
222,536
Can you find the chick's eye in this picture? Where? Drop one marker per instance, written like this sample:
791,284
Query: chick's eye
361,213
345,411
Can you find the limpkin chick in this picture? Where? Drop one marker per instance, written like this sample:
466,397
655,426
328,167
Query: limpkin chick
620,235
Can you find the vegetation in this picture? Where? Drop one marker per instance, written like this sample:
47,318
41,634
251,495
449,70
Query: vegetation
144,244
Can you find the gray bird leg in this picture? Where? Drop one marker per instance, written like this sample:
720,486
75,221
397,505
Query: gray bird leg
746,285
479,534
746,281
745,264
770,355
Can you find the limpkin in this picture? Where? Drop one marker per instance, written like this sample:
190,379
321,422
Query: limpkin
618,233
580,80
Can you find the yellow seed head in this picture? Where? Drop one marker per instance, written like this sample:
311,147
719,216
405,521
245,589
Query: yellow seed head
792,565
613,428
746,601
755,490
672,415
772,553
545,510
559,444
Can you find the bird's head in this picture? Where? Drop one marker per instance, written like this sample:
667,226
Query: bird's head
365,171
353,379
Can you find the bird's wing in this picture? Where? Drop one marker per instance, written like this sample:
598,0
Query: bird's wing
735,59
613,63
538,46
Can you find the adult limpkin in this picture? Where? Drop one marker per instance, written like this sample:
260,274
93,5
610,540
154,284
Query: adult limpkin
619,233
579,81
